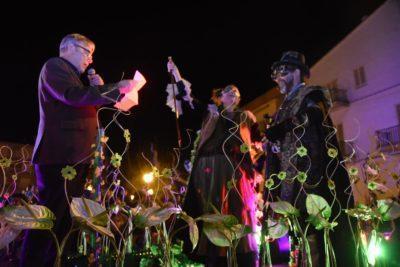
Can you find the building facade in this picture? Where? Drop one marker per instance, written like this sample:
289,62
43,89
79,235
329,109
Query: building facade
363,74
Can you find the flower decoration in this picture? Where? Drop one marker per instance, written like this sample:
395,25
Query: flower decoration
5,162
353,171
127,136
301,151
269,183
167,173
68,172
301,177
332,152
244,148
116,160
372,185
331,184
282,175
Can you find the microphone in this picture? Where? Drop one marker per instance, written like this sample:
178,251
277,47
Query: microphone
91,72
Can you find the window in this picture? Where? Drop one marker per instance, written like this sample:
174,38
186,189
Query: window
359,77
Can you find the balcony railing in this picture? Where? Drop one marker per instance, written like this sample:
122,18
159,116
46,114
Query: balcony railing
389,136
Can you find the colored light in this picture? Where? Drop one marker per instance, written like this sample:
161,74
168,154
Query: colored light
148,177
150,192
132,197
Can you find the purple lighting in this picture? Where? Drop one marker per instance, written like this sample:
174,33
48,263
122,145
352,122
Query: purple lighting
283,243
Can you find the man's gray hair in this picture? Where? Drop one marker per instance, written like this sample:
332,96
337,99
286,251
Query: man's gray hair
74,38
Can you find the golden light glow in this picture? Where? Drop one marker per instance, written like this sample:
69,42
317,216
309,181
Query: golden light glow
148,177
132,197
150,192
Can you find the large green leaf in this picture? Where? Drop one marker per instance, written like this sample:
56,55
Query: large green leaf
193,229
285,208
318,205
227,220
155,215
389,209
320,222
7,234
277,229
223,236
28,217
90,214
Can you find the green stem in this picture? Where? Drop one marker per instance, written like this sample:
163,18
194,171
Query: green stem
305,244
326,247
332,251
64,241
57,262
265,248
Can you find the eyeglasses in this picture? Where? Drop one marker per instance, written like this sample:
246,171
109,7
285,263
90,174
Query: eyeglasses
282,71
87,52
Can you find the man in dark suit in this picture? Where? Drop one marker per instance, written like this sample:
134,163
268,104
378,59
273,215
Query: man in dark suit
67,130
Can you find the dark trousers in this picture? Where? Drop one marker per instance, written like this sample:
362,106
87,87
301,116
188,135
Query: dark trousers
39,248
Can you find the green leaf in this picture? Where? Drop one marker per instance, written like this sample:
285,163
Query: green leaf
216,234
176,249
193,229
389,209
230,220
277,229
155,215
320,223
155,250
222,236
285,208
317,205
213,218
90,214
28,217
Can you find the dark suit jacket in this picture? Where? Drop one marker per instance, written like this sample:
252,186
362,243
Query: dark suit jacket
67,126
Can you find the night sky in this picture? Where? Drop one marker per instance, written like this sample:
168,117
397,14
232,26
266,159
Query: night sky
212,46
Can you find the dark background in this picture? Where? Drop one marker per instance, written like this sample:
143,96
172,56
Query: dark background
213,46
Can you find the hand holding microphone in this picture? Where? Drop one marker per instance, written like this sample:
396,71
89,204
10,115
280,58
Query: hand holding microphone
125,86
94,79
